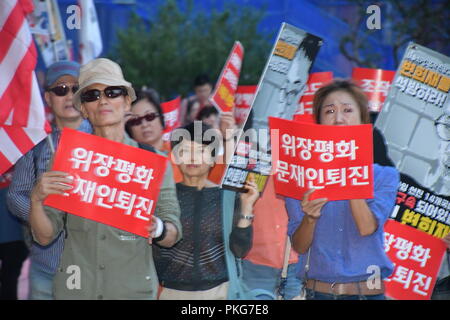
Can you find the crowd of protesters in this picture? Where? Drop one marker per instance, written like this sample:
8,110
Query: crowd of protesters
287,248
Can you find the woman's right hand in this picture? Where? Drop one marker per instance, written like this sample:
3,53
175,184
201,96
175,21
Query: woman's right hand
51,182
312,208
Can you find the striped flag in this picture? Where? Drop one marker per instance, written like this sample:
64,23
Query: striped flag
22,117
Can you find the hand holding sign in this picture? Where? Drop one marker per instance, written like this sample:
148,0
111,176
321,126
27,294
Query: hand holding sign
51,182
312,208
227,125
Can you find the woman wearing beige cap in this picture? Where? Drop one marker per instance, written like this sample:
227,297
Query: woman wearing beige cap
112,264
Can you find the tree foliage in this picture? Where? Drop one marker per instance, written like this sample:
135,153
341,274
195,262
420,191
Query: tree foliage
167,52
422,21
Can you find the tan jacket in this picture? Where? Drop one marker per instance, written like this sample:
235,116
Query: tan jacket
111,263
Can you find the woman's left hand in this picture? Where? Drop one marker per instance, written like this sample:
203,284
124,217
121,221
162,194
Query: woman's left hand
227,125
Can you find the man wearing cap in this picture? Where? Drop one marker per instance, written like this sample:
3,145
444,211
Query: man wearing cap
110,263
60,84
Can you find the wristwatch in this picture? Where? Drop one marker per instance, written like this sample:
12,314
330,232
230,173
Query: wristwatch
247,216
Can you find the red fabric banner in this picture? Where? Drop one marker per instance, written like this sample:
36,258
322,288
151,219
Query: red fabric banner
335,160
114,184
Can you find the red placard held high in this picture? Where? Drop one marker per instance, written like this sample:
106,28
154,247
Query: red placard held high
375,83
223,96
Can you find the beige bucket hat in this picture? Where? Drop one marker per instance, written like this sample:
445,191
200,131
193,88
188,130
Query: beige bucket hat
103,71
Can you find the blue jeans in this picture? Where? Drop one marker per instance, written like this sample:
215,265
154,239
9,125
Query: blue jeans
257,276
41,284
315,295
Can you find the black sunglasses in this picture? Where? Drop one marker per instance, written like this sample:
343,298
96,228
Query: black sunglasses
62,90
110,92
137,121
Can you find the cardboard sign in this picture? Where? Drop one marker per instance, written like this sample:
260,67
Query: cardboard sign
114,184
335,160
280,87
414,121
223,96
420,208
242,103
417,257
305,105
171,110
375,83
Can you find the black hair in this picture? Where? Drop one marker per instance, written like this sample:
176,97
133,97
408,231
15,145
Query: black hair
190,132
152,96
201,80
310,45
207,112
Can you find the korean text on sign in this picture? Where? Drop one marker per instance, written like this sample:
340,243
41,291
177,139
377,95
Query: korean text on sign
114,184
316,156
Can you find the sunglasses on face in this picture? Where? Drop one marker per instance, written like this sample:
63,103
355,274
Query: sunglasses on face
110,92
62,90
137,121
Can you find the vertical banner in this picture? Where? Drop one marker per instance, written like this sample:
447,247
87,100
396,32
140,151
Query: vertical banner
417,258
171,110
242,103
279,89
305,106
337,161
114,184
375,83
46,23
415,121
223,95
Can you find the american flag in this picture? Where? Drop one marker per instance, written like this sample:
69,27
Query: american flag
22,116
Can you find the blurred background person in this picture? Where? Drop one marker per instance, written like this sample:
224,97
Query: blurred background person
191,106
146,123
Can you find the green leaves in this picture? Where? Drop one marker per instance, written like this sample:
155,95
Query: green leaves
169,50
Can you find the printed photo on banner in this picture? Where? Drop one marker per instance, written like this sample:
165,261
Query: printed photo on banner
415,121
113,183
223,96
417,258
280,87
337,161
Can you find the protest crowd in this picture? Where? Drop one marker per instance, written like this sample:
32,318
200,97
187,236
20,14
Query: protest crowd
182,233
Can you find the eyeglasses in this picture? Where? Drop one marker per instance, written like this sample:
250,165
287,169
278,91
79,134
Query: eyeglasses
110,92
62,90
137,121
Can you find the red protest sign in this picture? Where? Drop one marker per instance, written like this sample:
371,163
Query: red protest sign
243,102
315,81
114,184
417,257
223,96
335,160
375,83
171,110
